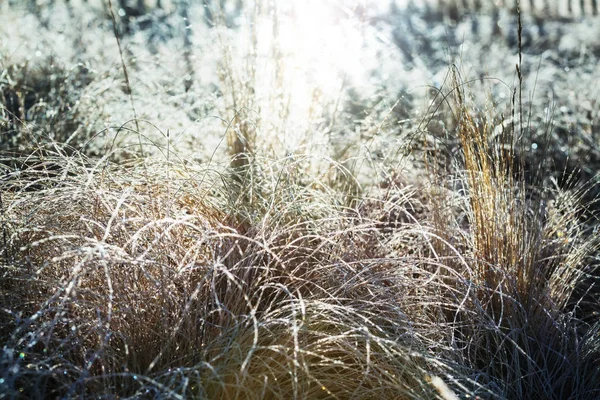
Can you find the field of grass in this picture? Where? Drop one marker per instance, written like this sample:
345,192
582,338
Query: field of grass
297,199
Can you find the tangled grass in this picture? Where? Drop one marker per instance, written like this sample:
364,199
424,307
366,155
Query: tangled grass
257,274
161,279
138,285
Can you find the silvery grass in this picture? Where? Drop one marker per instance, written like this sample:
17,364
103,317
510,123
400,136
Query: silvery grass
249,271
170,280
166,286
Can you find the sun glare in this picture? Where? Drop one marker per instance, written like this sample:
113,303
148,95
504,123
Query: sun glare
323,39
320,48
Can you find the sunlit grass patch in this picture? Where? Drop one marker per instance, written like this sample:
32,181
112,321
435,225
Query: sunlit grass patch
131,277
255,213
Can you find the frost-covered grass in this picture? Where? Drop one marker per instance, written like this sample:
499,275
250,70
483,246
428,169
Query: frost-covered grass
296,212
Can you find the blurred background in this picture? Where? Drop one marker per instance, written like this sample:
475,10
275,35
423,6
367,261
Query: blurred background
338,78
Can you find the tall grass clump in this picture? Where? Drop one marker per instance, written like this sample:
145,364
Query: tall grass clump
523,256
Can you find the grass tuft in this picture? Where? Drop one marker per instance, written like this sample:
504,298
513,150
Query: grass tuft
254,233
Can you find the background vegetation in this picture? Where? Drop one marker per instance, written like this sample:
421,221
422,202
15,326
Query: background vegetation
312,199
